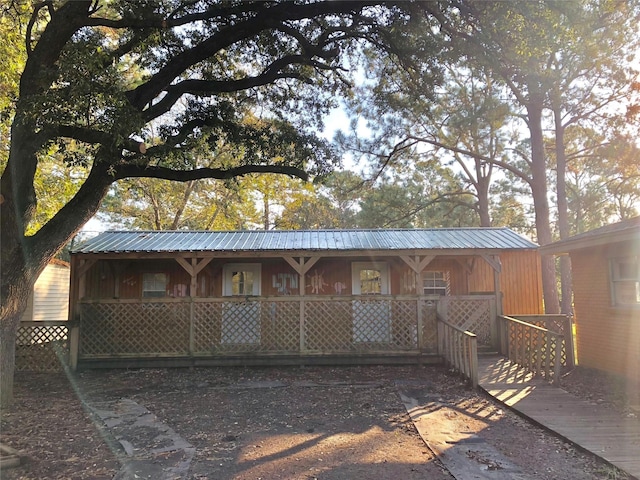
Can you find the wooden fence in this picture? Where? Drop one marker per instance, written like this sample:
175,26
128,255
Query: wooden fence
278,325
474,313
289,325
42,346
535,348
193,328
459,349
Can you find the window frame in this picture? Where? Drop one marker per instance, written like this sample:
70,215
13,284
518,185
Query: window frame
617,278
382,267
145,282
446,278
229,268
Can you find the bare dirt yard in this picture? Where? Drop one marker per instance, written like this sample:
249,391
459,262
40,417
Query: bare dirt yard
274,423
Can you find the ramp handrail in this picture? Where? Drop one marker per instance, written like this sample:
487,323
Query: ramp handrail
535,348
459,348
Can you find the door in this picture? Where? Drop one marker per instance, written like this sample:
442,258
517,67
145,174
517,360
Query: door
371,316
241,319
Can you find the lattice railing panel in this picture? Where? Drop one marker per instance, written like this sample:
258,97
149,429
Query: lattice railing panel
240,330
42,348
533,348
371,324
241,326
404,325
473,315
207,327
429,326
555,323
328,326
281,326
134,328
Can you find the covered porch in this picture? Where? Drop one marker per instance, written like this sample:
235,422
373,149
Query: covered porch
274,297
275,330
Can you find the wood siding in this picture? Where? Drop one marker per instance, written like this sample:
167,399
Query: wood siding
520,280
49,300
521,283
607,336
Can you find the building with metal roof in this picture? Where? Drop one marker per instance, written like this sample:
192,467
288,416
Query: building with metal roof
210,297
605,266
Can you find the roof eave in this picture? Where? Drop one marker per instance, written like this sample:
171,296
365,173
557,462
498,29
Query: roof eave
319,252
566,246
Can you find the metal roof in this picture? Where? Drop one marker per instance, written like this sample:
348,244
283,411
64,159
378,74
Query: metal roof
304,240
627,230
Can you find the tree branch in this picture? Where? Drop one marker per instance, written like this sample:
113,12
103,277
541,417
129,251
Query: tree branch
270,18
135,171
476,155
95,137
207,88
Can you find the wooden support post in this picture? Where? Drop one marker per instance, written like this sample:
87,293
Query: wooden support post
567,329
557,363
301,267
192,326
474,362
302,312
538,354
193,269
497,288
420,324
74,346
547,363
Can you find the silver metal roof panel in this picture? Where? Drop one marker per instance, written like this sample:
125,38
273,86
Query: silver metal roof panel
303,240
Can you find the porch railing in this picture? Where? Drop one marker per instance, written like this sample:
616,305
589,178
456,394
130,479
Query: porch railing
286,325
206,327
43,346
559,323
535,348
459,349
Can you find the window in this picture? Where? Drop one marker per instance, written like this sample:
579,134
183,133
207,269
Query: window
241,279
435,283
370,278
370,282
154,284
625,281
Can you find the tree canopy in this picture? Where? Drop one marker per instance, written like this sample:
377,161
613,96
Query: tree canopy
144,89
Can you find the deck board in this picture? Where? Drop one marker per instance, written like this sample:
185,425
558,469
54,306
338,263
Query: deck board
592,427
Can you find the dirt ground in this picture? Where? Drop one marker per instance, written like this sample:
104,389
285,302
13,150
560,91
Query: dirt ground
278,423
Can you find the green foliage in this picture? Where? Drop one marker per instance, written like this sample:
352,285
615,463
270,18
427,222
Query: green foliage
56,183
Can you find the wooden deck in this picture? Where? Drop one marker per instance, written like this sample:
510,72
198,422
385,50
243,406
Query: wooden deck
591,427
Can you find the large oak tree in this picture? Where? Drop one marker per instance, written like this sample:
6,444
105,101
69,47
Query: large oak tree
130,89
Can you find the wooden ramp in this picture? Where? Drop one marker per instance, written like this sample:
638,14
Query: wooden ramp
594,428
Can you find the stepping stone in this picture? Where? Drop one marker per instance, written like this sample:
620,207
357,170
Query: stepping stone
150,449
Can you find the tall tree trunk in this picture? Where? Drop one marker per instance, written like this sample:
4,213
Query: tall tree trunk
482,187
190,187
266,212
566,287
541,204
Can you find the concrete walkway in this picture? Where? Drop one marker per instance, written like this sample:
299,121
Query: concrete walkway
591,427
